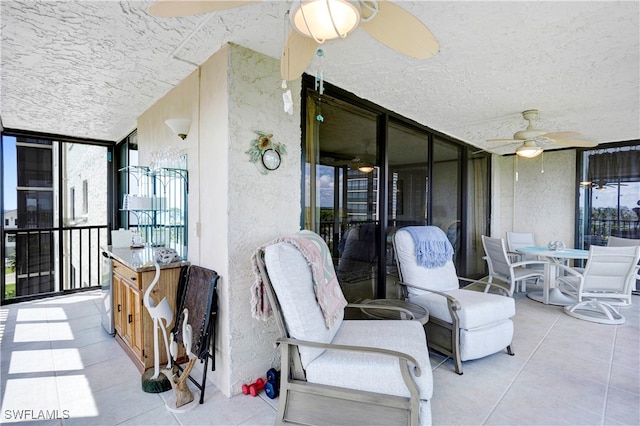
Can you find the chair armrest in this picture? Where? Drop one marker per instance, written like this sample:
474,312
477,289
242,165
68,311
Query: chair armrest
568,286
487,285
514,256
379,306
402,357
569,270
452,301
530,262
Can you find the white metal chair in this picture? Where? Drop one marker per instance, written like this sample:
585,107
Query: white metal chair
516,240
504,270
463,324
354,372
622,242
626,242
604,286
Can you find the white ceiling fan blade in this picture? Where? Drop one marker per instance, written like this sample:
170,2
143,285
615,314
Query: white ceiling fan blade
401,31
296,55
176,8
562,135
578,143
503,140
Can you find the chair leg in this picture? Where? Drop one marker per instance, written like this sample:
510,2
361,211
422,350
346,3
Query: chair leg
510,351
457,363
204,377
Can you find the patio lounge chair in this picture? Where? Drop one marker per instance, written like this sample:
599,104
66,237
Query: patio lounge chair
352,372
463,324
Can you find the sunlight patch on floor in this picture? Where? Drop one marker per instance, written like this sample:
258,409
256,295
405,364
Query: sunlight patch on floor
42,332
38,361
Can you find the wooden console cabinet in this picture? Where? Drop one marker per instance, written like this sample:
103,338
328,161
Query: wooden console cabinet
134,326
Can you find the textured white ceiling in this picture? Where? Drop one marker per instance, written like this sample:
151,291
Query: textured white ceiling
89,68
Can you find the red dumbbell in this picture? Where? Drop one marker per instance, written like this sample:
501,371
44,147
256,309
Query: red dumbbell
254,388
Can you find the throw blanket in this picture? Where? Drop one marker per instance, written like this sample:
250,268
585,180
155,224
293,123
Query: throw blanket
433,248
325,283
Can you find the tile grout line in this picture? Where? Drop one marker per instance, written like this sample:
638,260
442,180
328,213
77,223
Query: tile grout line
524,365
606,390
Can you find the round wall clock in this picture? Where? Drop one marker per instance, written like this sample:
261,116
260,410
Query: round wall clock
271,159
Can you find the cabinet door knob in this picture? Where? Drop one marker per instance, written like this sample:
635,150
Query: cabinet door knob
119,307
130,318
133,278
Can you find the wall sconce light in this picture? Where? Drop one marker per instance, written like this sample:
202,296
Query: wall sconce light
325,19
180,126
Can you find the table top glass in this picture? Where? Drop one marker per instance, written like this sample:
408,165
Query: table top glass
568,253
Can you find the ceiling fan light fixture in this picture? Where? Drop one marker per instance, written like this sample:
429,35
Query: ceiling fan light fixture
325,19
529,149
366,168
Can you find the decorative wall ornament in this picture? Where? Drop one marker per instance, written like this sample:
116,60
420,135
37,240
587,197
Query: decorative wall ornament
266,152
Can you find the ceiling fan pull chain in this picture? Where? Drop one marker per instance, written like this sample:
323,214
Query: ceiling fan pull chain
542,167
319,85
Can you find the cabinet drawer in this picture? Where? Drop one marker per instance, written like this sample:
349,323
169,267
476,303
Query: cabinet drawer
127,274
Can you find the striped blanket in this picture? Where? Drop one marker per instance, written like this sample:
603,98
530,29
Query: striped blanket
325,283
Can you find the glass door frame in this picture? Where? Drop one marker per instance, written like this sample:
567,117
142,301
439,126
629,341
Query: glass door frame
382,125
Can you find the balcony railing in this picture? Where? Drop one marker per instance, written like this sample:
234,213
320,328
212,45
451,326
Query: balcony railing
47,261
599,230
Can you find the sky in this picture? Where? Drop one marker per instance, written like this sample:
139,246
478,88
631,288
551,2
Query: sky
9,180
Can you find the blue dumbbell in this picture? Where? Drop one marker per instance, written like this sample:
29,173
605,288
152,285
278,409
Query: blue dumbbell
272,387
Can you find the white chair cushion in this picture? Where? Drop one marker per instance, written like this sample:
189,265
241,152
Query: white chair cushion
439,279
483,341
478,309
293,284
374,372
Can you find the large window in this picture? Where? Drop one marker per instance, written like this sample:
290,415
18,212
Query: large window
609,195
51,233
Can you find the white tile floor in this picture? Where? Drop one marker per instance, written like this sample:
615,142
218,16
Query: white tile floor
56,360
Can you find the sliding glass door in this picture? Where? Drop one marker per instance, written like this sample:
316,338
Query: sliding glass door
407,187
342,190
369,172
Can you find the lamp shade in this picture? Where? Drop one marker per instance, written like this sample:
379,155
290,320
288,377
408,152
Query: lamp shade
325,19
180,126
529,149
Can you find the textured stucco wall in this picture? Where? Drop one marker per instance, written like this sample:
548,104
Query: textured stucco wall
542,203
233,209
261,207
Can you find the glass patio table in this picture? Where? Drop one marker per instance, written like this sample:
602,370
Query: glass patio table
550,294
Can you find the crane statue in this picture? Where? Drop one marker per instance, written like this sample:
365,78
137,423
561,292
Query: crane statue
162,314
180,385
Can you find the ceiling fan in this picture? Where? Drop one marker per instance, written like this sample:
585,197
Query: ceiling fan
602,185
535,140
315,21
364,163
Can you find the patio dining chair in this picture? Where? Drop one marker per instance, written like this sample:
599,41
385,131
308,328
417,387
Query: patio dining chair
347,371
604,286
463,324
626,242
507,272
